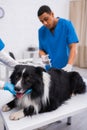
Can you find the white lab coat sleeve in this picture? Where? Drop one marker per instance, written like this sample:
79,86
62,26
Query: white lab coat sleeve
2,84
7,60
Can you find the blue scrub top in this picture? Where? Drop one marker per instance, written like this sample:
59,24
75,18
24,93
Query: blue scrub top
56,44
1,45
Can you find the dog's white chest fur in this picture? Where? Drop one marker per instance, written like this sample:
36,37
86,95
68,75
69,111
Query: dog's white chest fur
26,102
46,81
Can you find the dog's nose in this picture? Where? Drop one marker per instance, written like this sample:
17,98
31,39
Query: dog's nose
17,89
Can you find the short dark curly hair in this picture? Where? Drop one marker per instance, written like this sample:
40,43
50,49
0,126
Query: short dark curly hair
44,9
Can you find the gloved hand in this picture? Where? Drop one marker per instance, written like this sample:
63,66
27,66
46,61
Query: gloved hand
46,62
68,68
45,59
10,88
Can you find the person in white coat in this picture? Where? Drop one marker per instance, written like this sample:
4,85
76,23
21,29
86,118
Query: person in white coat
10,62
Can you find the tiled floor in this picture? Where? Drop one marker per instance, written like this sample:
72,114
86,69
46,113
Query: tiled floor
79,122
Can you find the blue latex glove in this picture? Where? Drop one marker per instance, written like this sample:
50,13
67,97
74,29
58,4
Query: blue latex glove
10,88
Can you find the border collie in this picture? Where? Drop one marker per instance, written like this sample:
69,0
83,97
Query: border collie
38,91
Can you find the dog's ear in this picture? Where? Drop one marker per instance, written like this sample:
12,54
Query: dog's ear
39,70
14,73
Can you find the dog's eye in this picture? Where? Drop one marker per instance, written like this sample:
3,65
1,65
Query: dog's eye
27,76
27,79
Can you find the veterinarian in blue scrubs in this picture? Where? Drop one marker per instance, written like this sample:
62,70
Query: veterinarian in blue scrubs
57,40
8,61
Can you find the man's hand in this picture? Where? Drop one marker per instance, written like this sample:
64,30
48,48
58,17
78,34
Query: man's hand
68,68
46,62
9,87
45,59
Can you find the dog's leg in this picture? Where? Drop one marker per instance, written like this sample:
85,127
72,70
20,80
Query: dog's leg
9,106
17,115
22,113
29,111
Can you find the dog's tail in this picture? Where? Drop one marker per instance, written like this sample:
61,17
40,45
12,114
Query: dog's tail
77,84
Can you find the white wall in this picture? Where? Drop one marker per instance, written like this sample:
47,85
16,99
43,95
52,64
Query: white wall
19,27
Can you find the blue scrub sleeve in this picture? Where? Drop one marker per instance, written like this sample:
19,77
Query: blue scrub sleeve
1,45
72,36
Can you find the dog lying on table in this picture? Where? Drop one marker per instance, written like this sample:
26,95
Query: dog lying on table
38,91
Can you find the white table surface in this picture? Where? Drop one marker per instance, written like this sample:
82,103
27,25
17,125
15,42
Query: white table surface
71,107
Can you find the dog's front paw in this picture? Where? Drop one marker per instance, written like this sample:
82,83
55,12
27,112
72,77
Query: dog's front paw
5,108
17,115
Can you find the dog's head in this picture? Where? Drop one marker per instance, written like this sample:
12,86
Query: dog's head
25,78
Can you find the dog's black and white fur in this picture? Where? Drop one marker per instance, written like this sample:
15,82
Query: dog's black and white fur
49,89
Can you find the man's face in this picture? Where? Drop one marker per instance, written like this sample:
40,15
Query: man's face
47,20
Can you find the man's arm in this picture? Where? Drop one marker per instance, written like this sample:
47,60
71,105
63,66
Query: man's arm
41,52
72,55
45,59
7,60
71,59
